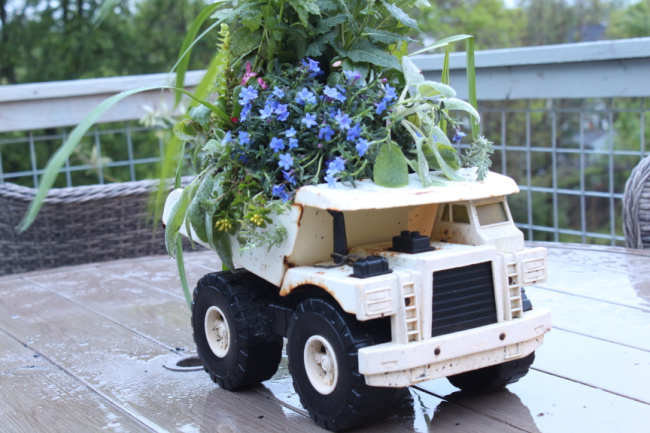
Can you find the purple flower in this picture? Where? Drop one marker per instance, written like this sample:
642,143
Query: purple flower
244,138
343,120
266,112
331,181
277,144
278,92
282,112
390,93
309,120
326,133
333,93
305,97
286,161
247,95
278,191
288,176
458,136
362,146
354,132
381,107
293,143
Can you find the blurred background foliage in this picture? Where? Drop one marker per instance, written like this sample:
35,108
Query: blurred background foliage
49,40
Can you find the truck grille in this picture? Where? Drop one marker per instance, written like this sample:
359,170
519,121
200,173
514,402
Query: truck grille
463,298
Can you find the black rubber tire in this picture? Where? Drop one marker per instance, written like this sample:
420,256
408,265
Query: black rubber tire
492,378
352,402
253,351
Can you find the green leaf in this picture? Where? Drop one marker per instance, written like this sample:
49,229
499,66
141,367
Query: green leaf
200,115
185,131
364,51
244,41
441,43
303,8
412,74
327,6
223,248
429,89
448,154
471,82
251,18
326,24
200,207
178,213
391,168
400,15
384,37
459,104
180,265
316,48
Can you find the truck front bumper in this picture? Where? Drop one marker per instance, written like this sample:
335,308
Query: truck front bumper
399,365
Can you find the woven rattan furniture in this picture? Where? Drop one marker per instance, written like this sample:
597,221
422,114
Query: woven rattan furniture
77,225
636,207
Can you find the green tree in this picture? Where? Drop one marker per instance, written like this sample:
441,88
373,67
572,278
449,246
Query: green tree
631,22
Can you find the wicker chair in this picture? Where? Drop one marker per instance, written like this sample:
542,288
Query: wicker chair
77,225
636,207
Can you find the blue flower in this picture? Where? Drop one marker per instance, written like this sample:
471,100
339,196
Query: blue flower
312,66
458,136
293,143
338,163
286,161
278,191
333,93
277,144
226,138
390,93
278,92
362,146
326,133
244,111
247,95
305,97
288,176
343,120
309,120
381,107
331,181
354,132
282,112
266,112
352,75
244,138
291,132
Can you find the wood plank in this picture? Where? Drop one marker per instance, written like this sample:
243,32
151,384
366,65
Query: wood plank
596,277
594,318
127,369
34,393
612,367
540,402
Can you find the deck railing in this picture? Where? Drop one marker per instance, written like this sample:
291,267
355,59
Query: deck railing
569,122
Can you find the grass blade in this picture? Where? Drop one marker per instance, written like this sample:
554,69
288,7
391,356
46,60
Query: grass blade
471,82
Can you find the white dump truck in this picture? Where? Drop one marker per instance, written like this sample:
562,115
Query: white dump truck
376,289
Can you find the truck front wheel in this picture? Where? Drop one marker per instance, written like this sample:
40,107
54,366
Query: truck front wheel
323,344
233,329
494,377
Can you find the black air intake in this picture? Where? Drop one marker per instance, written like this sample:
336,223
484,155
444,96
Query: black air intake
463,298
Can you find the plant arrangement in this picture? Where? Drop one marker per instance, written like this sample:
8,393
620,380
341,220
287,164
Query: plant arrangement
300,92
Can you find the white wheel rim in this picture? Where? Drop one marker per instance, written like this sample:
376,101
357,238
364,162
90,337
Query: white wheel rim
320,364
217,332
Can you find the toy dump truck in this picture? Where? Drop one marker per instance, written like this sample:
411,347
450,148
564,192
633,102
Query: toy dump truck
376,289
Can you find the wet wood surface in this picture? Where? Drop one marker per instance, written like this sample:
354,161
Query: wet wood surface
87,348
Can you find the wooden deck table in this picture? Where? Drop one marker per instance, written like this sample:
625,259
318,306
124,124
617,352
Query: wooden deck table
86,349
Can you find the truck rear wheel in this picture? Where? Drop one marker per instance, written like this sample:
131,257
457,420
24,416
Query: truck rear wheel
494,377
322,348
233,329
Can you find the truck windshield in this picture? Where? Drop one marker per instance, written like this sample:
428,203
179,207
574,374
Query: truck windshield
491,213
